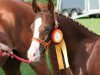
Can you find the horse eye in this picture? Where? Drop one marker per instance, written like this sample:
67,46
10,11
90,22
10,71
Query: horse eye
47,29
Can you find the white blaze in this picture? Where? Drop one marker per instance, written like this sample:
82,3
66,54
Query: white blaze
33,52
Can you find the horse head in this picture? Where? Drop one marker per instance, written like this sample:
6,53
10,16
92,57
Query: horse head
42,28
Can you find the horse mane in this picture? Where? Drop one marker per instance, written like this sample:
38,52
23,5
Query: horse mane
76,26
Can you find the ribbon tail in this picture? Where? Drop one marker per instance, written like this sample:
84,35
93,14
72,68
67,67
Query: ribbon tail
59,56
64,50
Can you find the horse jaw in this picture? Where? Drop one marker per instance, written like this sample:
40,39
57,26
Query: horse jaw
33,53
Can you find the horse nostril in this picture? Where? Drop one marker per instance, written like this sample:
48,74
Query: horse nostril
34,55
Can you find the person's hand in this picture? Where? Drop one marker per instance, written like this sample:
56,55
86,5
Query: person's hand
5,49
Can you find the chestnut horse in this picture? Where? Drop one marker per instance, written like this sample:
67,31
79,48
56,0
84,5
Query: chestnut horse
83,46
15,34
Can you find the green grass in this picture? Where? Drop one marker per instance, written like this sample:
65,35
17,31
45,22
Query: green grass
25,69
92,24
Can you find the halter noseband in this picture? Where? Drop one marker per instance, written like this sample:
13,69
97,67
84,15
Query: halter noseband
42,42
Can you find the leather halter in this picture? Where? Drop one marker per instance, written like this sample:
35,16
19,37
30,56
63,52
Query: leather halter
42,42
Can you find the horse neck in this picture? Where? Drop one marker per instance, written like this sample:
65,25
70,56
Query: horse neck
73,32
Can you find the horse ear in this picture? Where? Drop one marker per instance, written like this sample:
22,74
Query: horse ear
50,6
35,7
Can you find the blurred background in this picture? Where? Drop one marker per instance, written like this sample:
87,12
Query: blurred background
93,24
